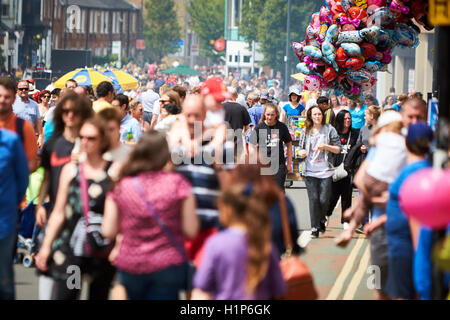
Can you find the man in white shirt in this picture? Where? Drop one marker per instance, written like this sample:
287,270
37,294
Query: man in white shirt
148,99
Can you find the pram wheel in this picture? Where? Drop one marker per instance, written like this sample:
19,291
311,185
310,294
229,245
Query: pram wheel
27,261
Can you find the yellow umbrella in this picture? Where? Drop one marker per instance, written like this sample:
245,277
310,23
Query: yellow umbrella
84,77
299,76
120,79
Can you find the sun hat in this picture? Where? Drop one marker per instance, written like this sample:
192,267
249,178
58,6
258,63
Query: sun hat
388,117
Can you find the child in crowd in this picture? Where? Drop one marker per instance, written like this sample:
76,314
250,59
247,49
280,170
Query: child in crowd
240,262
388,159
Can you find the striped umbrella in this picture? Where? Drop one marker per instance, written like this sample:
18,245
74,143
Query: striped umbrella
120,79
84,77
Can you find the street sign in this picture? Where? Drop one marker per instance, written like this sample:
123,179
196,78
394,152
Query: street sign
439,12
194,50
220,44
140,45
116,47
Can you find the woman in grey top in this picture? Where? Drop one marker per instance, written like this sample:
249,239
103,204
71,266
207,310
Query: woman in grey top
318,142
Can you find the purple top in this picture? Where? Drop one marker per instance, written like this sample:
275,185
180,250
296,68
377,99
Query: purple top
223,271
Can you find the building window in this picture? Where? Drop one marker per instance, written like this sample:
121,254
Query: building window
5,9
247,59
83,21
106,25
236,58
230,58
91,22
236,9
113,22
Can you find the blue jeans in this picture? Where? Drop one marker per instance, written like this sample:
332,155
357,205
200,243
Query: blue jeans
147,117
7,291
160,285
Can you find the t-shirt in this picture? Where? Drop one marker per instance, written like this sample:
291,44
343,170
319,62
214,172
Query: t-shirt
56,153
316,162
352,134
223,270
293,111
271,138
29,135
397,227
358,120
27,111
145,247
99,105
148,99
390,157
130,124
236,115
255,114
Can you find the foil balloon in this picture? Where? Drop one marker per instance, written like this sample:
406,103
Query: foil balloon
380,17
367,49
372,66
298,49
303,68
328,50
358,36
354,63
359,76
357,13
347,4
312,83
361,3
406,36
351,49
313,52
384,38
341,57
329,74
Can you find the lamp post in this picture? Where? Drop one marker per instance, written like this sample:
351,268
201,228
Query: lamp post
286,58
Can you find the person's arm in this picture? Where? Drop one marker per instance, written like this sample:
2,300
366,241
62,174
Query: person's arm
290,155
156,112
414,227
41,212
370,227
333,149
30,145
283,116
57,217
189,219
110,223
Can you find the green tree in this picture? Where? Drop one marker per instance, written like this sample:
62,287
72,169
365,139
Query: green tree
268,27
207,21
161,29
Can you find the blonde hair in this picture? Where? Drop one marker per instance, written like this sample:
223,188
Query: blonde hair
375,111
134,104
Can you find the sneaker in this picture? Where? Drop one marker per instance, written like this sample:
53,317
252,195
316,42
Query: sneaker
327,221
323,226
345,226
314,233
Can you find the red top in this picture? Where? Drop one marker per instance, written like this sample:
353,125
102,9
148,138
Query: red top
145,247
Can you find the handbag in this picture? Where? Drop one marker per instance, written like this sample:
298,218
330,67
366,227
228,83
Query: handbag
295,273
339,171
191,268
95,245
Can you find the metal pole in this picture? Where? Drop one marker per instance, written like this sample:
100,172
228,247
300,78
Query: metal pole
288,31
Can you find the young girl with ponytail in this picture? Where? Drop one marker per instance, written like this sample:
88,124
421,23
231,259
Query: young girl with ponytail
240,261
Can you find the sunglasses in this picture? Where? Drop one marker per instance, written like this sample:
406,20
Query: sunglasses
23,89
89,138
46,96
67,111
164,101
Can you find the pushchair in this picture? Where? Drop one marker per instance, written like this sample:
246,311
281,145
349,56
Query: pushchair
27,236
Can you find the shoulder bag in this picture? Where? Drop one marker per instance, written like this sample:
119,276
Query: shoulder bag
295,273
340,172
95,245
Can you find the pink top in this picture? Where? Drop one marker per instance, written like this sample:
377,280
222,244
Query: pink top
145,247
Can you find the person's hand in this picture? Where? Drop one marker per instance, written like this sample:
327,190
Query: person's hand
348,214
363,149
40,141
322,146
42,258
368,228
115,251
302,153
41,216
289,167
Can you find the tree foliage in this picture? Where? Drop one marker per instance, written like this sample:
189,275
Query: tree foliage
161,29
207,20
266,23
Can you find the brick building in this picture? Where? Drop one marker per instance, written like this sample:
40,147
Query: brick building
92,24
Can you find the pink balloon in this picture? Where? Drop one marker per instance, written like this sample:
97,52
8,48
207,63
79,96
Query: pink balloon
425,196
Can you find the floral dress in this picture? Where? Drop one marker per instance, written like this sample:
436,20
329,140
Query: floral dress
69,247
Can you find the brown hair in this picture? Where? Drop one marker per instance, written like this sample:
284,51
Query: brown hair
151,153
267,106
420,147
100,124
196,90
249,207
402,98
309,122
133,104
82,106
163,89
375,111
181,91
111,114
8,84
174,97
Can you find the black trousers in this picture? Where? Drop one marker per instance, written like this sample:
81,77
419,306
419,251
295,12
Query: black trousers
280,176
102,274
341,189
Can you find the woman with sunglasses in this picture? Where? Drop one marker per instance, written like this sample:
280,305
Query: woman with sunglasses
44,106
137,112
73,236
69,115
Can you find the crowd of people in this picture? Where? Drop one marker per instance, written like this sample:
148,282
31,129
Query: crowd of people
178,186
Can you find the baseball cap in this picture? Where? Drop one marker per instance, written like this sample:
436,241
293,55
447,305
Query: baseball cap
388,117
215,87
264,94
419,130
295,91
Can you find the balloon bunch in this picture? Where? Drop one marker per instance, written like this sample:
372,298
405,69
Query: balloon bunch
348,41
